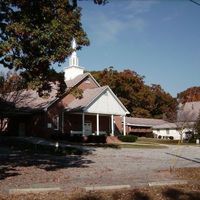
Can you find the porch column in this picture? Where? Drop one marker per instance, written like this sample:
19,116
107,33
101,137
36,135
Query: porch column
112,125
83,123
124,125
97,124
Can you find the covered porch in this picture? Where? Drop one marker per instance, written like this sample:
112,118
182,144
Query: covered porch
95,113
92,124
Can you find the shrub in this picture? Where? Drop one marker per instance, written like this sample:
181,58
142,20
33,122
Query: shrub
75,138
96,139
128,138
171,137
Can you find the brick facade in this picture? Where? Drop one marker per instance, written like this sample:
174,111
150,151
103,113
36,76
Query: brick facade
44,123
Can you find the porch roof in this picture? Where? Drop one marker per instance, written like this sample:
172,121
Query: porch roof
98,100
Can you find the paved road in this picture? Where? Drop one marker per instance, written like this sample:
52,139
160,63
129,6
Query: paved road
104,166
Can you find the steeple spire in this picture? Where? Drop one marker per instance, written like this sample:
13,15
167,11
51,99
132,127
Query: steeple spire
73,59
73,70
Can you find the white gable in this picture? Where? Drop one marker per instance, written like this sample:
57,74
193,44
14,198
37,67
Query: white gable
107,103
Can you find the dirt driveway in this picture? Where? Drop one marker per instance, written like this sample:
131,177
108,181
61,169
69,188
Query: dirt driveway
101,167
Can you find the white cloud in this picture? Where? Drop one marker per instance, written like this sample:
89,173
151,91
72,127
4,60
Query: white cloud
127,17
138,7
108,29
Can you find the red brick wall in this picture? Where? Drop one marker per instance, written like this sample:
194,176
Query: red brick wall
61,104
118,124
74,122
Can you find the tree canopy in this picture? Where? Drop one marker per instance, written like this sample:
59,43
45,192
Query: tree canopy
141,100
35,34
189,95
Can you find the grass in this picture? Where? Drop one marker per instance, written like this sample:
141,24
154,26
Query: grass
127,145
140,146
143,140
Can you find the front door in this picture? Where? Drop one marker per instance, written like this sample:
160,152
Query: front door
88,128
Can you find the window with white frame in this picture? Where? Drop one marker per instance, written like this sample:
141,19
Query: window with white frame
56,122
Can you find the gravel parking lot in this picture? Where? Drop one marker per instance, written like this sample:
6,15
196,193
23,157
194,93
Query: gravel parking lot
101,167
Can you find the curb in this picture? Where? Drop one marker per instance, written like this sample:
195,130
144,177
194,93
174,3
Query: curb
163,183
109,187
33,190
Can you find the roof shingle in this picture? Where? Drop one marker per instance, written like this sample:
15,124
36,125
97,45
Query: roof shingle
88,96
144,121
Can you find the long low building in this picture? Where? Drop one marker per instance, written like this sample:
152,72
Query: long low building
174,131
142,127
158,128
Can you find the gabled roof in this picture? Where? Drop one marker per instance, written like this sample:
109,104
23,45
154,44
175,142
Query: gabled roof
188,111
29,99
72,83
90,96
147,122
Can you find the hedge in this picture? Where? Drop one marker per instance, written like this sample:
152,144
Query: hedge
128,138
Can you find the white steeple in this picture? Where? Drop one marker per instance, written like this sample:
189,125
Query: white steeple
73,70
73,60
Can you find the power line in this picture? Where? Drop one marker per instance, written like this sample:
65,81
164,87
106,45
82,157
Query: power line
195,2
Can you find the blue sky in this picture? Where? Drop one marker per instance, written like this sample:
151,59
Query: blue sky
158,39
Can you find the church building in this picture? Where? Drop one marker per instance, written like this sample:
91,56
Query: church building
85,108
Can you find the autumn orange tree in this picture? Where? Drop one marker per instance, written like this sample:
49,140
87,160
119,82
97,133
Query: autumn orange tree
141,100
189,95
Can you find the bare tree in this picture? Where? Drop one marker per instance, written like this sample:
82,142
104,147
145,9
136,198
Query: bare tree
11,86
184,122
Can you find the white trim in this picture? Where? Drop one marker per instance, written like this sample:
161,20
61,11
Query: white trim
107,88
117,99
124,125
97,124
94,79
129,124
112,125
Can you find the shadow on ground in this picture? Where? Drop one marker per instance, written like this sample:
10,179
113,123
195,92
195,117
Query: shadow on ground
142,194
175,194
196,160
11,160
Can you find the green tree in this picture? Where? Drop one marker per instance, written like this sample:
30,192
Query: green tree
35,34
